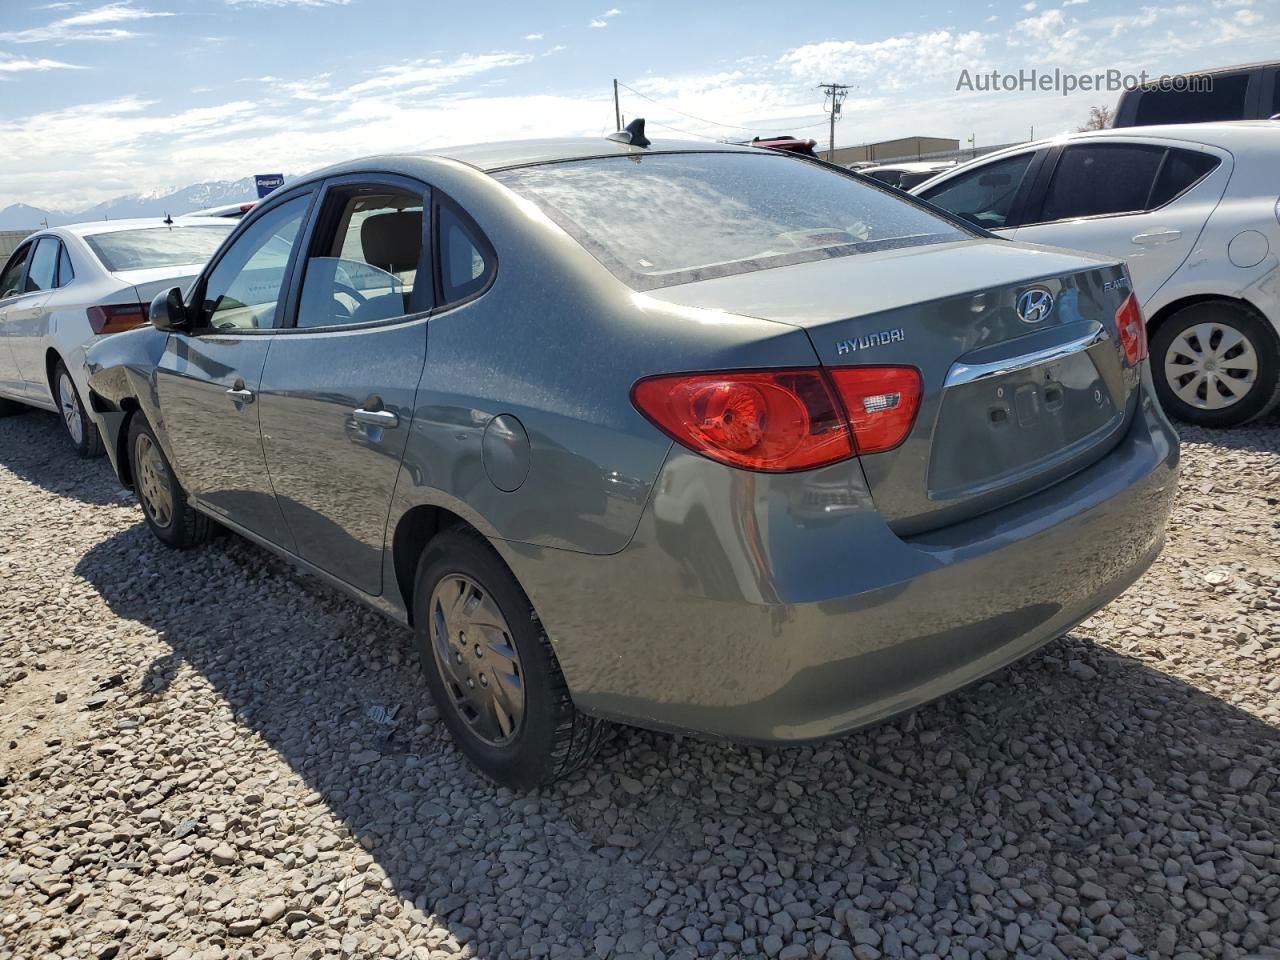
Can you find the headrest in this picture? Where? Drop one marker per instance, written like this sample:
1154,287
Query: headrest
392,241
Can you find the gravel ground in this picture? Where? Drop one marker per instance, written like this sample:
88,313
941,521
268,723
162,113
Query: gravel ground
210,755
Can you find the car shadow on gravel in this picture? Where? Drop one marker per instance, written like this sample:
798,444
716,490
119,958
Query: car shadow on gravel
1258,435
1077,765
36,449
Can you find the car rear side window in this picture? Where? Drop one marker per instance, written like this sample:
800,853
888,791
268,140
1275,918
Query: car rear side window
1224,100
65,273
661,219
1101,178
11,278
364,260
1181,170
151,247
983,196
464,267
44,265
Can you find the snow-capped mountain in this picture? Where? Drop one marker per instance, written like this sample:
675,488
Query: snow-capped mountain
21,216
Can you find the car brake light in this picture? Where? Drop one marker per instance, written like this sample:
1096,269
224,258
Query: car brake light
1132,327
771,421
881,403
781,420
115,318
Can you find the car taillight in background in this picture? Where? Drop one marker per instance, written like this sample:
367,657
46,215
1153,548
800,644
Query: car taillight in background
1132,327
116,318
782,420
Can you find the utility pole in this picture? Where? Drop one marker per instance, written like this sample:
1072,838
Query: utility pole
617,111
973,144
834,94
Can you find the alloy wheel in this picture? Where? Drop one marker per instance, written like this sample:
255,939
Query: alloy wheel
70,408
1211,366
477,659
153,481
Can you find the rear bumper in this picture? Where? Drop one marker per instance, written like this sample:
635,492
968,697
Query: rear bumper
782,608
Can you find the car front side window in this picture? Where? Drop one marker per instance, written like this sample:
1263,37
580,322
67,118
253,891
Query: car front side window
243,291
983,196
11,278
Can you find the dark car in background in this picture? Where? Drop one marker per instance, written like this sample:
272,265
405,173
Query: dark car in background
1247,92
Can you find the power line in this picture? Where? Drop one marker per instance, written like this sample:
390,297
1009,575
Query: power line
714,123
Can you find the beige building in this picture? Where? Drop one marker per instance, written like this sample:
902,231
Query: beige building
904,148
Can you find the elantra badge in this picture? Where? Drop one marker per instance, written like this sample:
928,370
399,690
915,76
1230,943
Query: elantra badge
1035,305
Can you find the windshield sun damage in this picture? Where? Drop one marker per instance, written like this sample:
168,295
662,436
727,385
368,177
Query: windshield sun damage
663,219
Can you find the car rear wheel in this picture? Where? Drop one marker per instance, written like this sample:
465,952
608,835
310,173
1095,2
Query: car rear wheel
491,668
80,428
164,502
1215,364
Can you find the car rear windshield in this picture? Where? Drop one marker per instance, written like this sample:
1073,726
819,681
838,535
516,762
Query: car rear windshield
661,219
151,247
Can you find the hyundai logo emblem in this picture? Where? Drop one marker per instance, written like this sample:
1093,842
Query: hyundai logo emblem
1034,305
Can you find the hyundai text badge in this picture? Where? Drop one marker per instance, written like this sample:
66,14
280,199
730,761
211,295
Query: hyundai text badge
1035,305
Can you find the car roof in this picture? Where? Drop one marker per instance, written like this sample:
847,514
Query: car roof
95,227
911,166
499,155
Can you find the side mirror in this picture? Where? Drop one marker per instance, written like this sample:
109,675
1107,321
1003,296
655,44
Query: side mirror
168,311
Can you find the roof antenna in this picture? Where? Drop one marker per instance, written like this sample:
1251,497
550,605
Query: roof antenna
632,133
167,219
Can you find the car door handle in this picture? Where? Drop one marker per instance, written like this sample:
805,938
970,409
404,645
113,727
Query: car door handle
240,395
376,418
1157,237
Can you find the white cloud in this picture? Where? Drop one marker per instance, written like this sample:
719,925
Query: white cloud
603,20
992,19
612,12
1029,6
1247,17
892,63
1052,35
1073,3
22,65
597,23
533,36
92,24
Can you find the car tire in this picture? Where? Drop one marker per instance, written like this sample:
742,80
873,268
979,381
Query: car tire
462,584
1191,341
164,502
81,430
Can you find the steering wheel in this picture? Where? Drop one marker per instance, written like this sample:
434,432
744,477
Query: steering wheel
352,292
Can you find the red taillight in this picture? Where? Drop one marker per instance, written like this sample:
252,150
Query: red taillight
115,318
1132,327
782,420
881,402
773,421
246,207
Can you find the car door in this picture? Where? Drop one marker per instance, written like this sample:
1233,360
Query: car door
337,394
1143,202
989,194
28,320
208,377
12,289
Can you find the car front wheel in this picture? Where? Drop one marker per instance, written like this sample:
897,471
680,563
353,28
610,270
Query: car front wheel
80,429
1215,364
491,668
164,502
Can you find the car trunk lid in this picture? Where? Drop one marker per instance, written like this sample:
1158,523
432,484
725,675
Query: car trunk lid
1008,406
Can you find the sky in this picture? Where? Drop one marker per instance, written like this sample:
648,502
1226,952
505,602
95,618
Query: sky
138,96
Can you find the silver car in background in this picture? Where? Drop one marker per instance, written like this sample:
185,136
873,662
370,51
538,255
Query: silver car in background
65,287
694,437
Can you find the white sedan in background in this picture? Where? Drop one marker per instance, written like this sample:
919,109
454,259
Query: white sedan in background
1195,212
66,286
